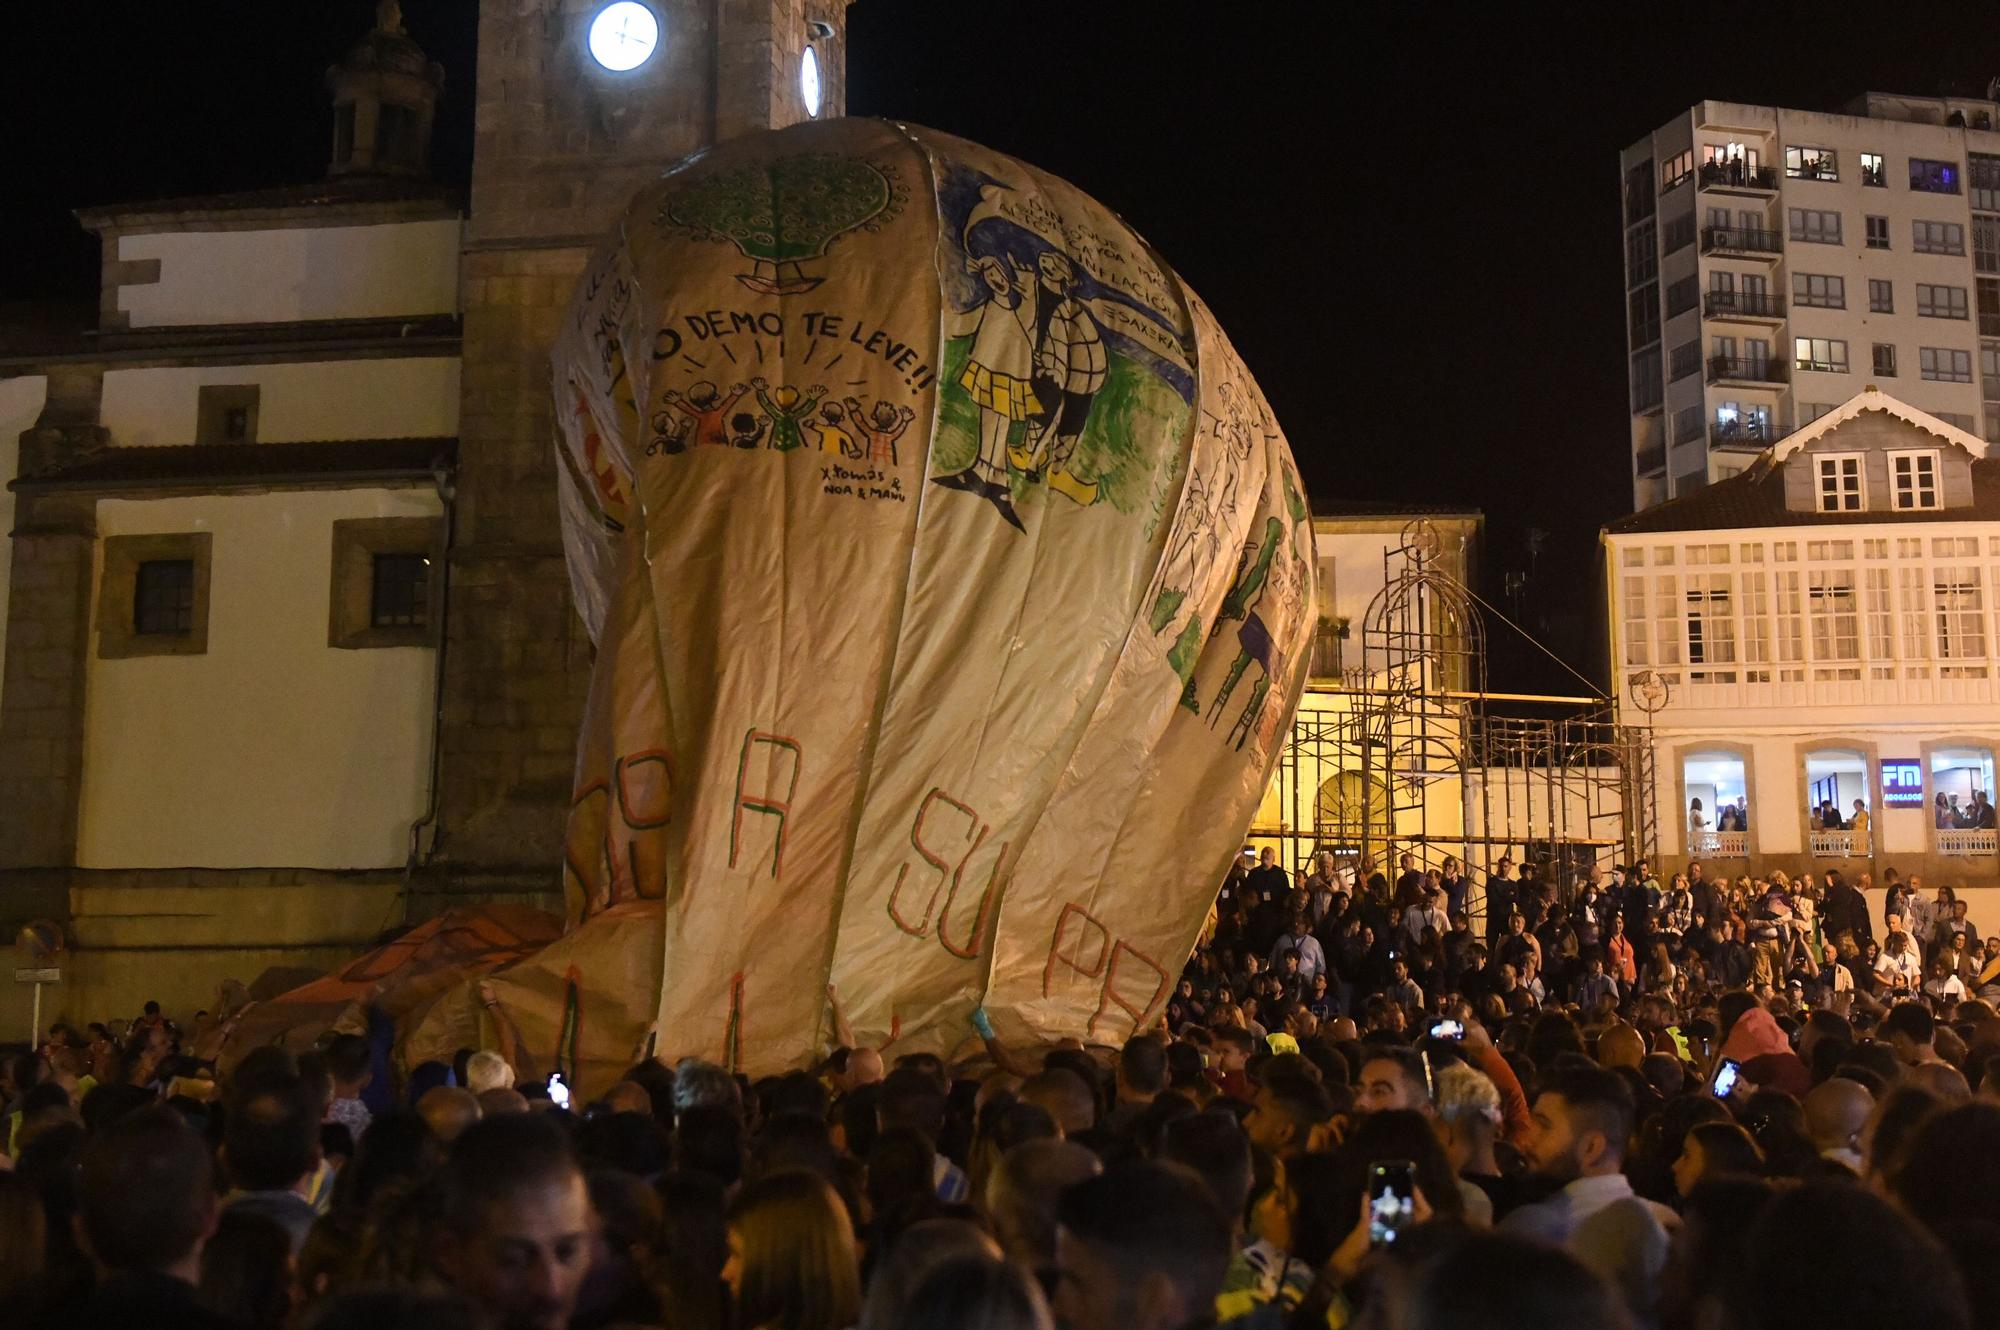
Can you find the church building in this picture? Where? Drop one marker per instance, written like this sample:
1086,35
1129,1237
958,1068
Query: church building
289,657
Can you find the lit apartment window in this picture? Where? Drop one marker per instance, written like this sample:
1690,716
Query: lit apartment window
1881,296
1840,483
1937,237
1874,172
1812,164
1878,232
1676,169
1933,177
1885,360
1828,355
1943,364
1819,290
1816,226
1941,302
1913,480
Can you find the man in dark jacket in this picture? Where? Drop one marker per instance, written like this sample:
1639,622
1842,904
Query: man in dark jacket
1846,910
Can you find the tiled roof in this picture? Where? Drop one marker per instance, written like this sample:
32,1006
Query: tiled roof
231,464
1756,498
329,193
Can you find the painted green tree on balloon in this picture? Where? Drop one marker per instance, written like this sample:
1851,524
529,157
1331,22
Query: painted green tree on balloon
783,213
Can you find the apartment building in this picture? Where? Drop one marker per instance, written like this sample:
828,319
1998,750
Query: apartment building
1778,261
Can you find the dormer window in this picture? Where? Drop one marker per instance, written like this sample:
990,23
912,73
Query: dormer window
1839,487
1913,481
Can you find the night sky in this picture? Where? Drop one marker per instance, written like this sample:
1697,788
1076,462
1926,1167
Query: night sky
1406,216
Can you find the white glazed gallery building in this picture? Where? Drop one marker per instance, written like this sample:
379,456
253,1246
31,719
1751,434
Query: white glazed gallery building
1817,630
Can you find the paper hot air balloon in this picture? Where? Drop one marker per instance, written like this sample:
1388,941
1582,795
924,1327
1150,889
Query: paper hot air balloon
951,584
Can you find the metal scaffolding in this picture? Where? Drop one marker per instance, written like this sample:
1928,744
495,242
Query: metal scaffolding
1410,751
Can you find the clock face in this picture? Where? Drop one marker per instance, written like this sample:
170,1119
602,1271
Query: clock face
809,81
623,36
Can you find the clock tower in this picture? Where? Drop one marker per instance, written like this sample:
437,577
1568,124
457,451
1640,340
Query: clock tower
579,103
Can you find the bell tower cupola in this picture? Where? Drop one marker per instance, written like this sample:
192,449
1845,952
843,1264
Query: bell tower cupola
384,99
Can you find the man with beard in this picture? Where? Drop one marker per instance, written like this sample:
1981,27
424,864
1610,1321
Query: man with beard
1581,1125
515,1233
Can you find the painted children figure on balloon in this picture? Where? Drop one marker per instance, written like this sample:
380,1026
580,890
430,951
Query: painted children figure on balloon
833,434
789,409
998,376
880,427
708,407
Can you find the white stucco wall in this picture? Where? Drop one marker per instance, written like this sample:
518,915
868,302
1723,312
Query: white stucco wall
329,399
272,749
20,403
348,272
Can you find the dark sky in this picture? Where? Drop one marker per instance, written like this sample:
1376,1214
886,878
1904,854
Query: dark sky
1405,215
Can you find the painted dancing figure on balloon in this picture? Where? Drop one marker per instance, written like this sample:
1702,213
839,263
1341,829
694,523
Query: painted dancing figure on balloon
1253,575
880,428
998,377
747,430
1263,627
1209,506
1070,368
708,408
789,409
833,435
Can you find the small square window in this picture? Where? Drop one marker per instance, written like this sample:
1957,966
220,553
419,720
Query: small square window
163,597
1878,232
1885,360
399,596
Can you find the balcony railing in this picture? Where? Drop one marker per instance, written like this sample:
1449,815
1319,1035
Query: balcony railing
1967,844
1652,458
1740,240
1840,845
1743,437
1742,305
1720,845
1735,173
1745,369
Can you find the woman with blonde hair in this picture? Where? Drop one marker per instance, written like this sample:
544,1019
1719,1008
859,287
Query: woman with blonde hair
792,1262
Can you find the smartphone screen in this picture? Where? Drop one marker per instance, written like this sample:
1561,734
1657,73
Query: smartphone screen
1392,1194
1447,1030
1725,1078
558,1092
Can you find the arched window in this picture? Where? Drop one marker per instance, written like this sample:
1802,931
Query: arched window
1839,808
1718,807
1961,809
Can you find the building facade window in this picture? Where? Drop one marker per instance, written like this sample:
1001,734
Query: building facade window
1834,619
163,597
399,596
1686,360
1812,164
1989,372
1885,360
1819,290
1931,176
1644,308
1675,169
1711,628
1937,237
1943,364
1828,355
1642,261
1881,296
1958,420
1840,488
1986,244
384,582
1913,480
1984,170
1679,233
1941,302
1961,620
1683,295
1878,232
152,595
1815,226
1639,193
1874,172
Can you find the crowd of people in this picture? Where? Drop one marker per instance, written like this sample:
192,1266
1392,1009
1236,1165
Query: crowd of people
1616,1103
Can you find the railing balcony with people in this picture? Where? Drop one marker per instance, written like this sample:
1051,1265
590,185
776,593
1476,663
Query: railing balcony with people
1720,845
1748,435
1745,369
1741,240
1742,305
1839,844
1967,842
1733,173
